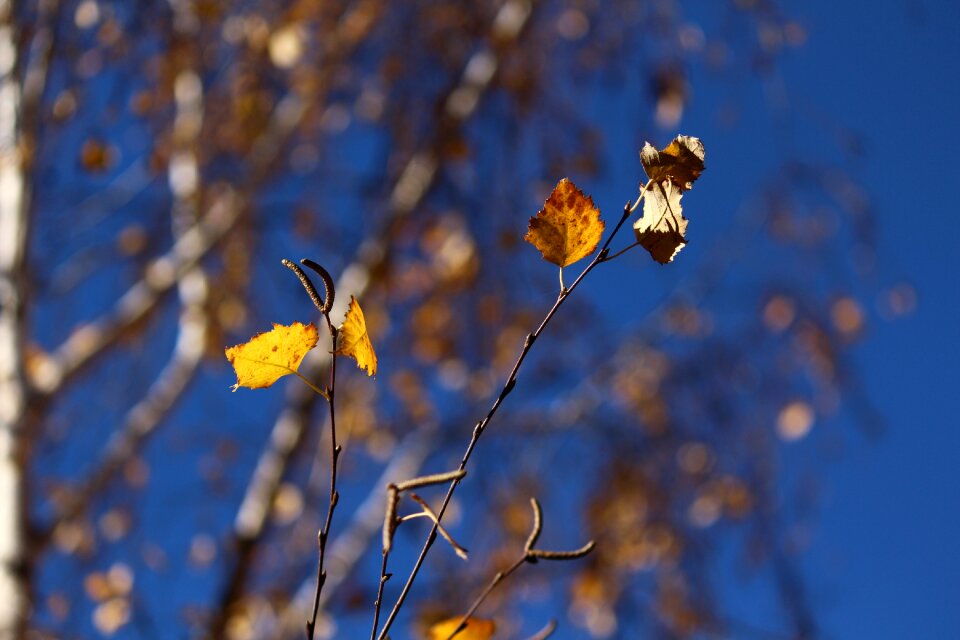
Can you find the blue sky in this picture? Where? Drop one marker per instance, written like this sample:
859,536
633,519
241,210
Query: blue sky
884,562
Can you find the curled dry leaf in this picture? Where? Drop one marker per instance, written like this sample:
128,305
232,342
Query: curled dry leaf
672,170
681,161
269,356
662,229
354,340
476,629
568,227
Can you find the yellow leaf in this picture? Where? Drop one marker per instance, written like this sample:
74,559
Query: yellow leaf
681,161
476,629
354,340
269,356
662,229
568,227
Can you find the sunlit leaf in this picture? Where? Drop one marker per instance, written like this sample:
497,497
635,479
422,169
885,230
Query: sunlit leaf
355,341
681,161
269,356
476,629
568,227
662,229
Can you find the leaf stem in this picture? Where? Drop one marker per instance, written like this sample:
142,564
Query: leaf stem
315,388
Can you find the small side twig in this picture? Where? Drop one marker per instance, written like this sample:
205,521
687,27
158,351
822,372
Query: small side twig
546,632
428,512
531,555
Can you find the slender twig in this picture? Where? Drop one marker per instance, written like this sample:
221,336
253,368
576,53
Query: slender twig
384,576
334,496
530,555
546,632
622,251
429,513
508,386
537,525
497,579
390,517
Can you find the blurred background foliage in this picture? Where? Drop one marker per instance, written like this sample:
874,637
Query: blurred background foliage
176,151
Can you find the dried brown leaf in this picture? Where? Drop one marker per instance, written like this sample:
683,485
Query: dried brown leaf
681,161
568,227
662,229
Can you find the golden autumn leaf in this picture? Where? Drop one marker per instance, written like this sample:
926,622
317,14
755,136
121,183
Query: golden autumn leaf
662,229
354,340
568,227
269,356
476,629
681,161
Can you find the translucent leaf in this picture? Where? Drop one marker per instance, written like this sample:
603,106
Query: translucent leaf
476,629
662,229
681,161
269,356
354,340
568,227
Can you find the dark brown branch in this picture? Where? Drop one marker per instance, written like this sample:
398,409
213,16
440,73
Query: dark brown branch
334,496
497,579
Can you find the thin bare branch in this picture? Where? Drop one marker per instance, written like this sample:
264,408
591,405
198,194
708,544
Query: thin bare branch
497,579
335,450
546,632
349,546
537,525
460,551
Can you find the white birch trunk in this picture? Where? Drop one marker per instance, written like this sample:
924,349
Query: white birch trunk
13,234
